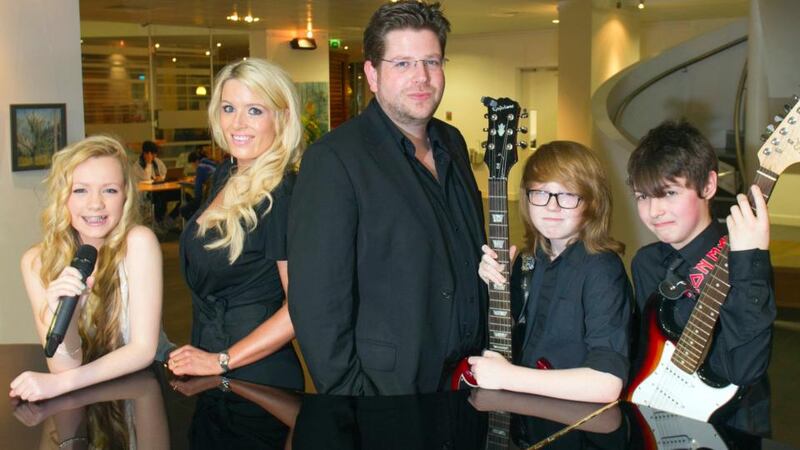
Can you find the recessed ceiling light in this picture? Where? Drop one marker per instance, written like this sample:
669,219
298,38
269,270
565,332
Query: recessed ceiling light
556,21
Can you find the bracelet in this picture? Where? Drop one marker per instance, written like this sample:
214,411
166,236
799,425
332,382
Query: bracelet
72,440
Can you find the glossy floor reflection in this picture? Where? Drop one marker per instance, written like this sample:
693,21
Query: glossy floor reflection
149,410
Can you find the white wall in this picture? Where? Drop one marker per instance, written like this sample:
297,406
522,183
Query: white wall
659,36
488,65
41,59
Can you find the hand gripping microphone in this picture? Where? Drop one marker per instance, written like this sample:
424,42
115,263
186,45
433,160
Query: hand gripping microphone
84,261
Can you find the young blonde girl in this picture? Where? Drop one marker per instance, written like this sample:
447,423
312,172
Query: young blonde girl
92,199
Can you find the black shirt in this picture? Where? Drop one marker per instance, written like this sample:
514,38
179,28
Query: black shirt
454,210
578,311
229,300
743,339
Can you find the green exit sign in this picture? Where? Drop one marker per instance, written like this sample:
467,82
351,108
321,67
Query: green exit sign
335,43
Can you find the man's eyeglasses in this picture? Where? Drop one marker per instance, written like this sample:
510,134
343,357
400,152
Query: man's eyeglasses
403,65
565,200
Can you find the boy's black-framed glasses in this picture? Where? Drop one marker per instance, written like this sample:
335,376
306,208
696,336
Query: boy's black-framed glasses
565,200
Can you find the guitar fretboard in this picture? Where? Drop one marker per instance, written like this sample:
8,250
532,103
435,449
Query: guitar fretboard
500,321
695,341
497,436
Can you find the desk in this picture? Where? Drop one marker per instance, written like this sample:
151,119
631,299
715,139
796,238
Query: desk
148,187
145,186
253,416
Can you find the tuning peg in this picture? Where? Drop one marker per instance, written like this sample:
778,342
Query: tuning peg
523,130
486,116
485,130
770,128
764,137
523,145
483,144
524,114
786,108
778,119
795,98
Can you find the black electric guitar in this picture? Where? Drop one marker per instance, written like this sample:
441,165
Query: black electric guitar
501,153
673,376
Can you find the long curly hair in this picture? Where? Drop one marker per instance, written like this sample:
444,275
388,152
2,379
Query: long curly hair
578,169
99,325
248,187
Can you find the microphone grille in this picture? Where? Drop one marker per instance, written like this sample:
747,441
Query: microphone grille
84,259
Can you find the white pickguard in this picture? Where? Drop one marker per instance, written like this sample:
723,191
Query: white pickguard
670,389
673,432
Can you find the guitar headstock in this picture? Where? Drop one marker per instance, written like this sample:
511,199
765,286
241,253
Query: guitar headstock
501,139
782,148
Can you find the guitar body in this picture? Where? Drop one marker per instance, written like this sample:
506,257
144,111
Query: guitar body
462,377
660,384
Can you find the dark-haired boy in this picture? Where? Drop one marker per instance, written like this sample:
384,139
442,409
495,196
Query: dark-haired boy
673,173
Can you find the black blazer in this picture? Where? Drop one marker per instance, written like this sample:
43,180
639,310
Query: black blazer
370,281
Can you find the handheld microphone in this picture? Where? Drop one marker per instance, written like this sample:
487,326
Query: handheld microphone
489,102
84,261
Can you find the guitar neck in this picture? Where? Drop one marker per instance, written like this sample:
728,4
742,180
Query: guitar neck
695,341
497,436
500,322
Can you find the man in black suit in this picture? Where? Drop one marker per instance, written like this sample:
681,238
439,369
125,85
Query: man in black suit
386,226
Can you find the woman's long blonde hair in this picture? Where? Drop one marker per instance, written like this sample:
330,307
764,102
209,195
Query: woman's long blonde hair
579,170
245,189
99,325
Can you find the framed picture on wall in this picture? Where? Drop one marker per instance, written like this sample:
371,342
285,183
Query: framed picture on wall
37,131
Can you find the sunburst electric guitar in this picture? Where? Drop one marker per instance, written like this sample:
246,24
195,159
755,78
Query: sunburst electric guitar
673,376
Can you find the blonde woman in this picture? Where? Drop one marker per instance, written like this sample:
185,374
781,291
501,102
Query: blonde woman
92,200
233,250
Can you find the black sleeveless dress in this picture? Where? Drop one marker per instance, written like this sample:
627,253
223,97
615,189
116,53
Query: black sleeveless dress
230,300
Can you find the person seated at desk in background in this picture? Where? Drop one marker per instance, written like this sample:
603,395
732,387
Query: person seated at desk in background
204,169
569,285
92,200
150,168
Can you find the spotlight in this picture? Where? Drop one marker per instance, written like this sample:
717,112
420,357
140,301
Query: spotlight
641,4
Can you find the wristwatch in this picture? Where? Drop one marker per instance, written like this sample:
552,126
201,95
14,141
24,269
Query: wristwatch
223,360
